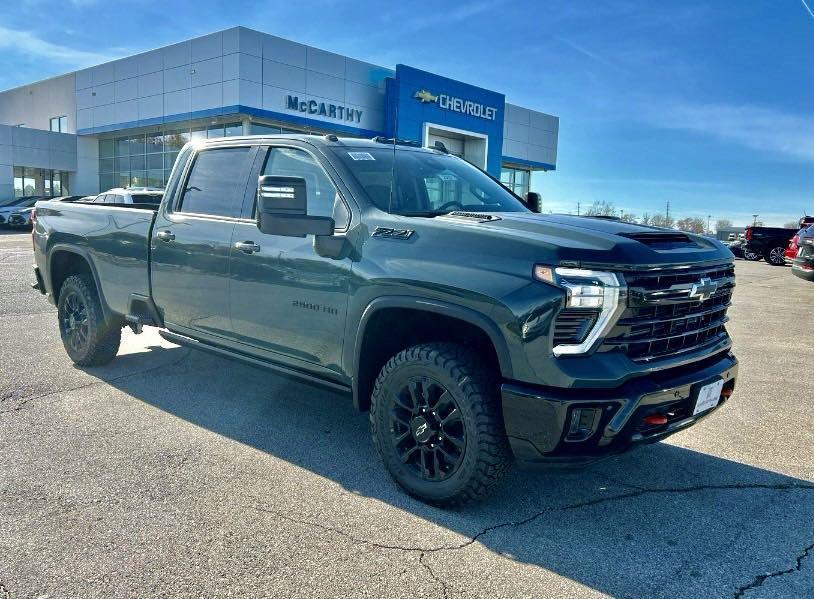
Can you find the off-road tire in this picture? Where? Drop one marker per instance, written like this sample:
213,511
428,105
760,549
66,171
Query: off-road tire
474,388
775,256
103,337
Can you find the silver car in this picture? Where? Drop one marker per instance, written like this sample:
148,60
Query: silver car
130,195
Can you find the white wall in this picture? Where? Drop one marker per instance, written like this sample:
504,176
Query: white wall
33,105
85,181
530,135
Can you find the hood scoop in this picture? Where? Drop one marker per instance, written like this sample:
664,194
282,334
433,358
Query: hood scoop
667,240
480,217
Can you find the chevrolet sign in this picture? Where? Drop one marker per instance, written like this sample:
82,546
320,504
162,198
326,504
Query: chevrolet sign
457,105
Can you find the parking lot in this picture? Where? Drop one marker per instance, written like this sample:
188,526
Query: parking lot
172,472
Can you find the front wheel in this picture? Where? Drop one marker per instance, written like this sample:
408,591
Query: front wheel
750,255
775,256
437,425
89,339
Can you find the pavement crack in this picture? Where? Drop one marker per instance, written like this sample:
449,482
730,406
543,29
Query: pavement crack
433,575
761,578
535,516
25,400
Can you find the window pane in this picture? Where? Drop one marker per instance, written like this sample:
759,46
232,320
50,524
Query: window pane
520,177
137,144
197,133
53,124
263,129
155,142
506,176
106,165
107,182
18,186
63,124
175,139
231,129
169,159
155,161
214,184
122,146
106,148
322,196
214,131
123,164
155,178
138,178
137,163
123,180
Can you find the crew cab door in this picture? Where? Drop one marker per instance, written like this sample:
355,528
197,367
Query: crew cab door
286,300
191,242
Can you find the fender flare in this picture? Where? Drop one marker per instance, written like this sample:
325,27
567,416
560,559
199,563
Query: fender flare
434,306
85,255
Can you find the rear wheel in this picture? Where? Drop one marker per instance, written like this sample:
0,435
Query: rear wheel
437,425
89,339
775,256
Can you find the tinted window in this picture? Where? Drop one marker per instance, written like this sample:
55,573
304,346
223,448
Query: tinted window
146,198
323,199
216,183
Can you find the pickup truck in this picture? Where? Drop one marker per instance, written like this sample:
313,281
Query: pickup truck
474,331
770,243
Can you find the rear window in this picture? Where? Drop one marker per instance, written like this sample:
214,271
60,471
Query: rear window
146,198
217,182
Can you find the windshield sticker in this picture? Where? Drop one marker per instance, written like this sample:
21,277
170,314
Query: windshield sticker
361,155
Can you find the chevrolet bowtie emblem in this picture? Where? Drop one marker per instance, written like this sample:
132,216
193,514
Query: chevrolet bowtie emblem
425,96
703,290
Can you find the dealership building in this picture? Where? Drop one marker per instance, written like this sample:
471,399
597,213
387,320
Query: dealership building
123,122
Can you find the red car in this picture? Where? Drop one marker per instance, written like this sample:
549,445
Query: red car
791,251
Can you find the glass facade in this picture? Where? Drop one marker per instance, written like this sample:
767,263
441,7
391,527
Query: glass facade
39,182
516,179
146,159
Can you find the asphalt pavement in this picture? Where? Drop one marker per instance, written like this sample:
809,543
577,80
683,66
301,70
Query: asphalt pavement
174,473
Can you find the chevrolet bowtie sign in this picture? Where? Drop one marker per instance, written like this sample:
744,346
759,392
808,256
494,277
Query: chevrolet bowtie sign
457,105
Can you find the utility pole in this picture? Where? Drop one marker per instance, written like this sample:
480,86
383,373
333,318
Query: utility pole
667,219
709,216
577,208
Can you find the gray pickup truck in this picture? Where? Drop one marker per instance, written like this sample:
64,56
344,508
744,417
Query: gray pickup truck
474,331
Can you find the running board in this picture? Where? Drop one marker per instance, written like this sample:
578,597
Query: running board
280,369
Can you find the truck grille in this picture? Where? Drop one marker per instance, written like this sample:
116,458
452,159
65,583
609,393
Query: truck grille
664,318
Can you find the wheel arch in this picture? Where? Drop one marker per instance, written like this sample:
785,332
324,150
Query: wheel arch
462,319
67,260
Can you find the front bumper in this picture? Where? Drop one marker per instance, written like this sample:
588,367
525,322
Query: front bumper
538,419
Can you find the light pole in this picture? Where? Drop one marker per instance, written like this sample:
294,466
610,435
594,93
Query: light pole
754,219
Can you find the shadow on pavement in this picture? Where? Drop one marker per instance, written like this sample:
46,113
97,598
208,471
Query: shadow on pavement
660,521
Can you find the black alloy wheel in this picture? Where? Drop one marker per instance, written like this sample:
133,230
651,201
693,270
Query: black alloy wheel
775,256
73,322
428,431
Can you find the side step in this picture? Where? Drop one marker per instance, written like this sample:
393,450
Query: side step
280,369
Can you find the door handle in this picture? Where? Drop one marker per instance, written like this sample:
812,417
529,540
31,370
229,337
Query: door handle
165,235
247,247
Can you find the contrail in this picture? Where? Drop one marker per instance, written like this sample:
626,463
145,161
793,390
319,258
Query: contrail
807,8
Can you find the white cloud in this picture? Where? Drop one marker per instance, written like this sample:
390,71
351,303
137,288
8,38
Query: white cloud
755,127
28,44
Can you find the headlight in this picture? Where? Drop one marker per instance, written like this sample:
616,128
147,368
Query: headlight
586,290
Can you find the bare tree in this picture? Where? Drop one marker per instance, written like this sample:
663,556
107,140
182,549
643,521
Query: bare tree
723,223
628,217
792,224
646,219
693,225
601,208
662,220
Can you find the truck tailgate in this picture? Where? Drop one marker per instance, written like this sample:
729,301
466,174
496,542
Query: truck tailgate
114,239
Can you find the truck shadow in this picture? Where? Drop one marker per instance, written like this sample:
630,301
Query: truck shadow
660,521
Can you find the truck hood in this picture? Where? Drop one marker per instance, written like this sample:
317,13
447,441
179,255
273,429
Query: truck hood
585,241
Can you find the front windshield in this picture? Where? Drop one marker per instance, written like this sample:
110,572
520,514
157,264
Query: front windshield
424,183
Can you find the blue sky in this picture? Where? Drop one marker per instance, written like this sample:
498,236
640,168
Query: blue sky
707,105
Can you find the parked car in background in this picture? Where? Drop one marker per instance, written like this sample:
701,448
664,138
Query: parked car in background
803,263
791,251
17,204
738,249
731,237
21,219
769,243
130,195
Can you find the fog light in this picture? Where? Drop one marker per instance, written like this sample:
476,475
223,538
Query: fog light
582,424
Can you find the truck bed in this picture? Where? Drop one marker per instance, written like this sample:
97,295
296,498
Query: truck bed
115,238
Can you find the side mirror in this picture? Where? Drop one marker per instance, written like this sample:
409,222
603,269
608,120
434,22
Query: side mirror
282,208
533,201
